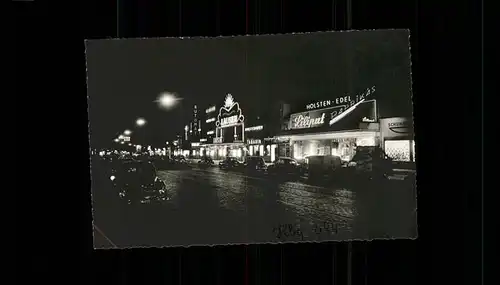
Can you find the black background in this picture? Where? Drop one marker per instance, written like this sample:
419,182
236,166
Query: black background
54,240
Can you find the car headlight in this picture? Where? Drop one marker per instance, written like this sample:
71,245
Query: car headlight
112,178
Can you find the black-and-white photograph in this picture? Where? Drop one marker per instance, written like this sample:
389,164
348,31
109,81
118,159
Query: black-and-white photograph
252,139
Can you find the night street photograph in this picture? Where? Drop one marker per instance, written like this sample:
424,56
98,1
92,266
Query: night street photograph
251,139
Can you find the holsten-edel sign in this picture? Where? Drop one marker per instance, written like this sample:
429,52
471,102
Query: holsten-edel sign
345,100
328,103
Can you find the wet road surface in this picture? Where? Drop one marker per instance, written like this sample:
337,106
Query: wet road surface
212,206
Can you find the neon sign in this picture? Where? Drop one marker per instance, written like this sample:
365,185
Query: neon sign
345,101
306,121
328,103
254,141
255,128
229,121
230,113
336,116
210,110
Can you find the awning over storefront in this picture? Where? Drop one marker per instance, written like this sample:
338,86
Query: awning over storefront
330,135
238,144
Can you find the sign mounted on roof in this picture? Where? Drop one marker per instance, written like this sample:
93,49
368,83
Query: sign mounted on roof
229,114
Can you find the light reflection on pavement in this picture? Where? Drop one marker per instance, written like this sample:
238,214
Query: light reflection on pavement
207,206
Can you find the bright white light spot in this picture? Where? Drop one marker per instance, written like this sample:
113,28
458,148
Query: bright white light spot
112,178
140,122
167,100
186,128
127,132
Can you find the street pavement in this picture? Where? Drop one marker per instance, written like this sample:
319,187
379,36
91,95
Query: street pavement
213,206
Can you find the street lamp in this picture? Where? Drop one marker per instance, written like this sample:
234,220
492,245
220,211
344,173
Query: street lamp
140,122
127,132
167,100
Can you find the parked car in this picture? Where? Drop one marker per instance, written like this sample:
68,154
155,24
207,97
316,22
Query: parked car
231,163
205,162
137,182
324,166
255,164
371,162
179,159
285,167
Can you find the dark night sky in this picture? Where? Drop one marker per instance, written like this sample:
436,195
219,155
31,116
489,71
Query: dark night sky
126,76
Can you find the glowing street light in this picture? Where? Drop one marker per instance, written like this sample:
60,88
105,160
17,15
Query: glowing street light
167,100
140,122
121,137
127,132
122,142
116,140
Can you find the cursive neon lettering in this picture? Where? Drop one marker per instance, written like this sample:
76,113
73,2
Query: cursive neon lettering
302,121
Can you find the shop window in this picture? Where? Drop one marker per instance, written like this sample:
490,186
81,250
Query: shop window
413,150
398,150
273,152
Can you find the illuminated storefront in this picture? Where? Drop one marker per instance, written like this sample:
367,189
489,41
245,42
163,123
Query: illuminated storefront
332,127
398,138
229,132
342,143
259,145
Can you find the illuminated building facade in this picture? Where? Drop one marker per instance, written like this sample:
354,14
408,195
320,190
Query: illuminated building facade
397,137
208,123
331,127
231,132
227,138
342,124
259,133
194,129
